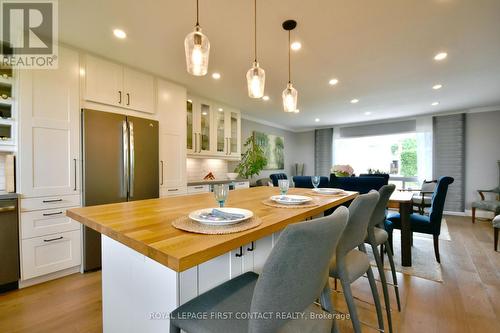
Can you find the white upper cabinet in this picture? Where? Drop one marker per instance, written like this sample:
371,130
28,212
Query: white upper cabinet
103,81
113,84
171,106
213,130
139,90
49,148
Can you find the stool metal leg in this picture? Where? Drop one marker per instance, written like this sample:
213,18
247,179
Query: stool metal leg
376,299
380,267
393,270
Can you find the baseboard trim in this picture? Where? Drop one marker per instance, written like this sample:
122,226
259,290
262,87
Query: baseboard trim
48,277
481,214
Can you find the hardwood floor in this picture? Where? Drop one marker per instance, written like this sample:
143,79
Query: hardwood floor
467,301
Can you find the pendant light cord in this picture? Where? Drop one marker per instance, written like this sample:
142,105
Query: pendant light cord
289,67
197,14
255,30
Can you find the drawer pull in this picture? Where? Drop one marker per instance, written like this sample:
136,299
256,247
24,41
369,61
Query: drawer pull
53,200
53,239
173,189
198,187
50,214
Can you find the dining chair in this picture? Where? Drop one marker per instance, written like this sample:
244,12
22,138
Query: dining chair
306,181
422,223
277,176
376,236
351,262
290,283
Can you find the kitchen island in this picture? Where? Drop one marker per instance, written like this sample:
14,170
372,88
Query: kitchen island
149,268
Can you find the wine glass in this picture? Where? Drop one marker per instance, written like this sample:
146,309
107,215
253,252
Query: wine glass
315,181
220,192
283,185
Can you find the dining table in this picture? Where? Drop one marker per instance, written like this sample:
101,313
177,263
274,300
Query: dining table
402,201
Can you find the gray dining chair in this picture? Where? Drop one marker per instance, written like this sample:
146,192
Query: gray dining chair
294,276
349,264
376,236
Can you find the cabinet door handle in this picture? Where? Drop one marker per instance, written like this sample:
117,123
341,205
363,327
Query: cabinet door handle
240,254
128,99
195,146
199,142
52,200
161,162
198,187
53,239
119,97
50,214
74,188
250,249
173,189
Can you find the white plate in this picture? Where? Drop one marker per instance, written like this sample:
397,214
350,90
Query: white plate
290,199
197,216
328,190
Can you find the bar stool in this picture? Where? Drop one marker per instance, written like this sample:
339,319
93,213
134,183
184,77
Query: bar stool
281,288
349,264
377,236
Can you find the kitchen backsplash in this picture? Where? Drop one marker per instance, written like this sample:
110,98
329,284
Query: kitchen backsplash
197,168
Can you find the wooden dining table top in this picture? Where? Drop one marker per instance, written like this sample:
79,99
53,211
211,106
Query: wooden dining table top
145,225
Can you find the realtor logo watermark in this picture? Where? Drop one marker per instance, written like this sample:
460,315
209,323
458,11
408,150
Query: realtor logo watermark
29,34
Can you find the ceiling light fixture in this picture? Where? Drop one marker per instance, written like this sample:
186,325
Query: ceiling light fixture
437,86
256,76
296,46
354,101
367,113
215,75
266,98
289,95
435,104
440,56
316,120
333,82
119,33
197,48
221,109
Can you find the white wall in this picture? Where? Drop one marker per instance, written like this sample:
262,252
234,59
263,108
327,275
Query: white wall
482,151
299,147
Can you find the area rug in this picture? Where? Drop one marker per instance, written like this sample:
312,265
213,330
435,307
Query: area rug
424,264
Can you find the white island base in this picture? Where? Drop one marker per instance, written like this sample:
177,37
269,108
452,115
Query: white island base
139,293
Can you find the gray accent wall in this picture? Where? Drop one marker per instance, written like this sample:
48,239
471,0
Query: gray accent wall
482,148
449,157
299,147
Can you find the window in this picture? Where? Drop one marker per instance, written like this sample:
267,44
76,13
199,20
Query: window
395,154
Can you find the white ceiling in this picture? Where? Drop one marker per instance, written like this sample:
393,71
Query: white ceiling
381,51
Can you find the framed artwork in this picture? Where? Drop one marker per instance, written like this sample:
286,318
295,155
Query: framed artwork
274,149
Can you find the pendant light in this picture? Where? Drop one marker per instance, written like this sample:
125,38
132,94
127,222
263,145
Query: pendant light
290,93
256,76
197,49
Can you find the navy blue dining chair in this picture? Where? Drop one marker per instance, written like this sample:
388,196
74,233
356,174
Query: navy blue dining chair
431,224
277,176
306,181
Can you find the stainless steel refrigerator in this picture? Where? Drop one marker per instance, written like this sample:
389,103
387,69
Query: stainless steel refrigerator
120,163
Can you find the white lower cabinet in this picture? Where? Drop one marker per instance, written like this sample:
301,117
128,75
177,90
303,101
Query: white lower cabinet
173,191
46,254
198,189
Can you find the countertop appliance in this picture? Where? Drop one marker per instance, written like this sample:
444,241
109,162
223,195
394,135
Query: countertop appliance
9,244
120,163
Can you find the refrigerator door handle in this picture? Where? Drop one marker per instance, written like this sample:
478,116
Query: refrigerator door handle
125,156
132,160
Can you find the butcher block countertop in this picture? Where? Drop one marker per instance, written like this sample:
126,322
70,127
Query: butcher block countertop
145,225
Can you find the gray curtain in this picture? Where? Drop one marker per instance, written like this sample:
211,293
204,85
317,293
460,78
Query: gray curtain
449,157
323,151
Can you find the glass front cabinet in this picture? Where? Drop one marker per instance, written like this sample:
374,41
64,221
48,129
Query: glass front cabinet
213,130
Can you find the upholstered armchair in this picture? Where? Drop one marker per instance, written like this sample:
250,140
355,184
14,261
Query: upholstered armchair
489,205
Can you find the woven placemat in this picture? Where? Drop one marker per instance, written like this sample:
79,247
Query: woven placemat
186,224
269,202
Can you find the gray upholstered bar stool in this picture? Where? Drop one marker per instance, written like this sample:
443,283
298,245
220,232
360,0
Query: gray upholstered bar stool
377,236
349,264
294,276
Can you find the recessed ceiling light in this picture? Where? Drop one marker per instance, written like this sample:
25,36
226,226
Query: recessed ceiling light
119,33
265,97
316,120
435,103
190,101
333,82
204,113
354,101
221,109
296,46
367,113
437,86
440,56
216,76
